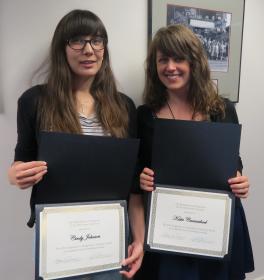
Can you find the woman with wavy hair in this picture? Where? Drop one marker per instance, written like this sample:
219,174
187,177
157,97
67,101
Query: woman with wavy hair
80,96
179,86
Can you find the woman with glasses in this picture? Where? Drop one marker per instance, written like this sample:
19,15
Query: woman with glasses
179,86
80,97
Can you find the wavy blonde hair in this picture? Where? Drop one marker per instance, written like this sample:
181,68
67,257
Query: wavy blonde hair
180,42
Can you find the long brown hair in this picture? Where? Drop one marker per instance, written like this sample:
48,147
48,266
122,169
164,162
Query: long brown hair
57,107
180,42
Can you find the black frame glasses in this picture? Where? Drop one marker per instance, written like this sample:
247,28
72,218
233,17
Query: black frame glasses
78,44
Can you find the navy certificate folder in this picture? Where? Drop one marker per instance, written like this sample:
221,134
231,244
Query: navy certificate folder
85,168
195,154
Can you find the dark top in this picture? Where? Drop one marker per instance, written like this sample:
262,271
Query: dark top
28,128
158,266
145,118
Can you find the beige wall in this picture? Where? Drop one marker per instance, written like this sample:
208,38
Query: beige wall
251,115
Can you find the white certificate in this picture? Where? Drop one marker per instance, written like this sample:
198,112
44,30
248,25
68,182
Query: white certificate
188,221
80,239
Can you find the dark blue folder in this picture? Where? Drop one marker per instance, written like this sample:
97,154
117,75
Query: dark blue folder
85,168
195,154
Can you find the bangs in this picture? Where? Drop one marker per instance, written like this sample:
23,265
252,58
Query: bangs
173,46
83,23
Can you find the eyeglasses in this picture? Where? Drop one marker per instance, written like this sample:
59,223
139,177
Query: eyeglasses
78,44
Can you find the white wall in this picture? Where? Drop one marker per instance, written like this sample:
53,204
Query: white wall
26,28
250,110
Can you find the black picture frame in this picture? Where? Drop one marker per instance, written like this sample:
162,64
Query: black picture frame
225,68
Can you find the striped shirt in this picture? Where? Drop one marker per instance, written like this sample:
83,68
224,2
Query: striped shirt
92,126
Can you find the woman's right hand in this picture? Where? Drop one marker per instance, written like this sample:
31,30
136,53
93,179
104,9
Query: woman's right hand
146,179
26,174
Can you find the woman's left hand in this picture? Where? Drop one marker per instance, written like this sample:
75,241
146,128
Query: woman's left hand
134,260
239,185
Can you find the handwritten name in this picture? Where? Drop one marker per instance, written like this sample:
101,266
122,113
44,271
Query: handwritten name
82,238
189,220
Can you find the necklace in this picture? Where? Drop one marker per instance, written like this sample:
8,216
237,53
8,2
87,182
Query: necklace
170,110
191,117
85,107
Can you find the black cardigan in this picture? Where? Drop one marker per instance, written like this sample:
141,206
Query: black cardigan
28,130
145,125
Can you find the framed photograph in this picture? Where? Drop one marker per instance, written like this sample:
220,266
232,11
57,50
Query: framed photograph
219,26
